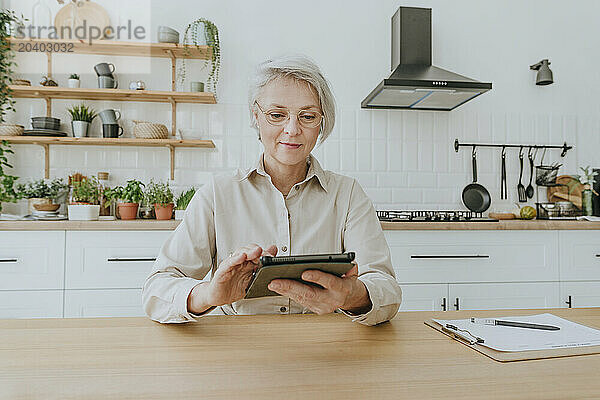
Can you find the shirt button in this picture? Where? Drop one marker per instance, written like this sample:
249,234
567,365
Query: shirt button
284,248
283,309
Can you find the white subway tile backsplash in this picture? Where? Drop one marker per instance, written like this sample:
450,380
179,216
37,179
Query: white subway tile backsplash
403,159
421,180
380,124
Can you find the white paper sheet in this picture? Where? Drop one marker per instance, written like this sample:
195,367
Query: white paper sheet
505,338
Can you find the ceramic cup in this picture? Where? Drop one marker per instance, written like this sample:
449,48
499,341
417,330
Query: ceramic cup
109,116
197,86
107,82
111,130
104,69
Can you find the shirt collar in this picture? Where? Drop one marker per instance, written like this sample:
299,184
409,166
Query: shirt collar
314,170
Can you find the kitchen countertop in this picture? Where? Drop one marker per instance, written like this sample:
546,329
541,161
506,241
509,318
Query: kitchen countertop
143,225
274,357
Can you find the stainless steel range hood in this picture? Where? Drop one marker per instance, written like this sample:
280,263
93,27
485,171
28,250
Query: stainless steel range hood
415,84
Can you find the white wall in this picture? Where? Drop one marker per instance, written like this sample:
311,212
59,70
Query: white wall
404,159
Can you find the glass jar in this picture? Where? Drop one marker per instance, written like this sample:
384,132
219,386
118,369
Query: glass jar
102,186
586,201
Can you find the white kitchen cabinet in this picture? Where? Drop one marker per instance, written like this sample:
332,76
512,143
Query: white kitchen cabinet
111,259
580,294
424,298
474,256
103,303
579,255
31,304
32,260
492,296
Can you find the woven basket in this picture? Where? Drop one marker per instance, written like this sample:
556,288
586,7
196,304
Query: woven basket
149,130
11,130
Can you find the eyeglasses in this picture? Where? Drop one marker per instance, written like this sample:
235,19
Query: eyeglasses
280,116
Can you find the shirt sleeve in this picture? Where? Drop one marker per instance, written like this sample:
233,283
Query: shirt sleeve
364,236
185,259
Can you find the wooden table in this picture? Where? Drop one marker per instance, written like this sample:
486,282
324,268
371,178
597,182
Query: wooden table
275,357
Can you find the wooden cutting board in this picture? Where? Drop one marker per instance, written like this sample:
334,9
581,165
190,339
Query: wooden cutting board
561,193
73,14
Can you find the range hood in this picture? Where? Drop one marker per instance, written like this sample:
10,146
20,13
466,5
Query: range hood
415,84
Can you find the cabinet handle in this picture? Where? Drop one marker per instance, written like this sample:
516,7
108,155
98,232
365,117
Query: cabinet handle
444,257
444,306
8,260
131,259
570,302
598,255
456,304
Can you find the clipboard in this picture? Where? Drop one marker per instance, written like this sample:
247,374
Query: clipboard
505,356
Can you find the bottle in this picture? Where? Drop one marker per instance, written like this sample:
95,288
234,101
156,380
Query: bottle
586,201
103,185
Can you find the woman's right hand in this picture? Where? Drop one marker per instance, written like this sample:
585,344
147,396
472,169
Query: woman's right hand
231,279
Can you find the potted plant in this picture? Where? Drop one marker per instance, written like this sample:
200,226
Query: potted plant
7,182
41,192
203,32
128,198
7,64
85,199
74,81
160,195
182,201
82,116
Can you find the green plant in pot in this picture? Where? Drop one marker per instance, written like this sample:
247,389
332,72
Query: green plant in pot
203,32
42,194
82,117
128,198
74,81
182,201
160,195
85,200
8,193
7,19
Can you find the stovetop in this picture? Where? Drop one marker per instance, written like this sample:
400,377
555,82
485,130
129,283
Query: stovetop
432,216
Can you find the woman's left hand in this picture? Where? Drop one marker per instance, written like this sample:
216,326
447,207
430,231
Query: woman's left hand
347,292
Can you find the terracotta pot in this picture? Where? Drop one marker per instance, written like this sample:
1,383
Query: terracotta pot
163,212
128,210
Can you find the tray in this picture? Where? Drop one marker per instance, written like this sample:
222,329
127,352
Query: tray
44,132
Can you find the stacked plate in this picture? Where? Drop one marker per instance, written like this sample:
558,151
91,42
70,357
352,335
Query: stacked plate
48,216
44,126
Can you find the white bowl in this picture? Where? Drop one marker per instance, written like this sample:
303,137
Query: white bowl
83,212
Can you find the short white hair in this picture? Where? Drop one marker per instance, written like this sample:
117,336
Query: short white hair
302,69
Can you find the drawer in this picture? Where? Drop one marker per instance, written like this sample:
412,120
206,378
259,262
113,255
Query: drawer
424,297
31,304
32,260
111,259
580,294
580,255
474,256
496,296
103,303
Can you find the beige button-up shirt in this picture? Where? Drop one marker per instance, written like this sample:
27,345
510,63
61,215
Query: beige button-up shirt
325,213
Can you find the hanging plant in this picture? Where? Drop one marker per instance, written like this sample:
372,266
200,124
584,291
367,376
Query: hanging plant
7,55
211,38
7,182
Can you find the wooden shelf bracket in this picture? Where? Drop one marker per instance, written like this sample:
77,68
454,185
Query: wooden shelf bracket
172,155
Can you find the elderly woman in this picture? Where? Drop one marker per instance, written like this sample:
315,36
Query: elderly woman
285,205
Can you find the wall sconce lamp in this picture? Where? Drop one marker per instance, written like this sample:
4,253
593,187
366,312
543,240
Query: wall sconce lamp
544,73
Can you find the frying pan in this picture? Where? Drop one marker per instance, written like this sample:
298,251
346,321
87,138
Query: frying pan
474,196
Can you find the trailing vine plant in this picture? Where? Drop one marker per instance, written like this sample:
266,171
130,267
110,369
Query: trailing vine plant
7,55
211,37
7,182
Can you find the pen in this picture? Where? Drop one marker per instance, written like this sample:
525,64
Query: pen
491,321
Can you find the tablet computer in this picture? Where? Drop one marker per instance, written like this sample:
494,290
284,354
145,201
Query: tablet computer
292,267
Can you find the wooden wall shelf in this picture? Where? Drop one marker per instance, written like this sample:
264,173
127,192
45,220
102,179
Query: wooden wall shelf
57,92
118,48
45,142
